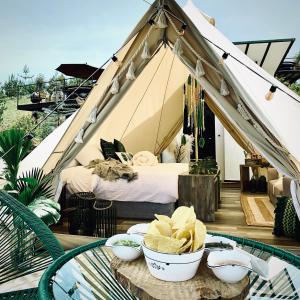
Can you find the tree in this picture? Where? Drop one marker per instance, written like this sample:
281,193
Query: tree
40,82
12,86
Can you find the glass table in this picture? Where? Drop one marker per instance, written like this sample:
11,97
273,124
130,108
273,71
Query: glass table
84,273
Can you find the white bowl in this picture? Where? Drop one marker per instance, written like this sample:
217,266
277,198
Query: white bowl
125,253
172,267
140,228
219,239
225,263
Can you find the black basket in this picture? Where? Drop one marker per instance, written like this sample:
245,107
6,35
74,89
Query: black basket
106,218
81,216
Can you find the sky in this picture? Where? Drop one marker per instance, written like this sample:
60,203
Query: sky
44,34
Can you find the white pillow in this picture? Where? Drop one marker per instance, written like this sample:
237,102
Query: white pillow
144,158
89,153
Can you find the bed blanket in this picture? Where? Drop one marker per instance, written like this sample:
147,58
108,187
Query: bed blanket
112,170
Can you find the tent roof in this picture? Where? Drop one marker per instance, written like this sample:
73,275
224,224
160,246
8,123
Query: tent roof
268,54
146,111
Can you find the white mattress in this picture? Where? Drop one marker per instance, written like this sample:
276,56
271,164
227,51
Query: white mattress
157,184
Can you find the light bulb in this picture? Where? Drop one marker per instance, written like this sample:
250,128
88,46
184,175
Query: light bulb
223,58
270,94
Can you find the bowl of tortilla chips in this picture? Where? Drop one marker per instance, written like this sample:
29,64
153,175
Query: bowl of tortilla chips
173,247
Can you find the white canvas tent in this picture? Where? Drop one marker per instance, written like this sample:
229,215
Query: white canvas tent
146,113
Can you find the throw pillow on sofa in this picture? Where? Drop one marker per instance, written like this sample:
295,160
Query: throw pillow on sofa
286,219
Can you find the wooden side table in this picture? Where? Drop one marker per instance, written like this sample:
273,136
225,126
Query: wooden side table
201,191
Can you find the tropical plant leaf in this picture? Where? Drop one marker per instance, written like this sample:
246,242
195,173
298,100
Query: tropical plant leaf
13,149
34,184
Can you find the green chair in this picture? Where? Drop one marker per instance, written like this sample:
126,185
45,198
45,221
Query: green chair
85,272
26,245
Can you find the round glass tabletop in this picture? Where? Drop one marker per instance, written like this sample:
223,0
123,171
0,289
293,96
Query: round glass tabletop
85,273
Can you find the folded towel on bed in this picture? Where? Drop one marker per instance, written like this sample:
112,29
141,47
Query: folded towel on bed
112,170
144,158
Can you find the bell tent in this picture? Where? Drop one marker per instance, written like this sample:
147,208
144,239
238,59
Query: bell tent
138,98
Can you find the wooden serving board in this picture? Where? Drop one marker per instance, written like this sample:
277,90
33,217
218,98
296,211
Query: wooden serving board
136,278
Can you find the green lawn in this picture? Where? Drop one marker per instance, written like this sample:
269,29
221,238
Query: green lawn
11,114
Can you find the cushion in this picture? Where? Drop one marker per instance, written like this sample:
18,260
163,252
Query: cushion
119,147
89,153
125,158
286,219
144,158
108,149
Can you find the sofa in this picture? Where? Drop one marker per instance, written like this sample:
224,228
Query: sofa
278,185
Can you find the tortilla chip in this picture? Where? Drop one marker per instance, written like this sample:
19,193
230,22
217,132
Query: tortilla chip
183,215
199,237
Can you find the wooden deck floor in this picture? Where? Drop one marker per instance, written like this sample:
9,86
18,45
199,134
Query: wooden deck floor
230,219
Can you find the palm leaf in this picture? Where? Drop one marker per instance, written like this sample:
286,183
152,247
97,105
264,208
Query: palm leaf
34,184
13,149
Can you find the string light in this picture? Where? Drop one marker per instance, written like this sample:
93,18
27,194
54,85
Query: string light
29,136
183,28
115,59
151,22
223,58
270,94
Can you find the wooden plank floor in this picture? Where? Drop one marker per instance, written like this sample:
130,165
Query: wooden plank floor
230,219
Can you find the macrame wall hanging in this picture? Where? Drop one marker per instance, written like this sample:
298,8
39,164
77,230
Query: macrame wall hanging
194,117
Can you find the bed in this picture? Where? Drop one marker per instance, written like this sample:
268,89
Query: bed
154,191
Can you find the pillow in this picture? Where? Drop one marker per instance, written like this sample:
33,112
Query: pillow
286,219
119,147
125,158
108,149
89,153
144,158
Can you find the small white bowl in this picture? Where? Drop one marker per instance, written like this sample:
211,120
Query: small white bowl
140,228
225,265
219,239
125,253
172,267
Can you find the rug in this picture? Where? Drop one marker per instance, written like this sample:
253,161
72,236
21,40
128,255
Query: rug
258,210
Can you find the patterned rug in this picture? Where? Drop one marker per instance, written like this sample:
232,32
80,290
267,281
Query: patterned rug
258,210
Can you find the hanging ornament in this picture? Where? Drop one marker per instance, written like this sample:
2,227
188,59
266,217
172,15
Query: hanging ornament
79,137
269,96
93,115
130,73
199,72
115,60
115,86
224,91
178,47
146,52
161,21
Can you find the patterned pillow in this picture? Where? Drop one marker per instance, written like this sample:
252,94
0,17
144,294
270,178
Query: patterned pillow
119,146
286,219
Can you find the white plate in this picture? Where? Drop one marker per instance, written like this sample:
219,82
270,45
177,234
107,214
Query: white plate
141,228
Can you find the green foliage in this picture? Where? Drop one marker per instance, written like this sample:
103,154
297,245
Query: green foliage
27,123
295,87
13,148
33,185
12,86
2,103
40,82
